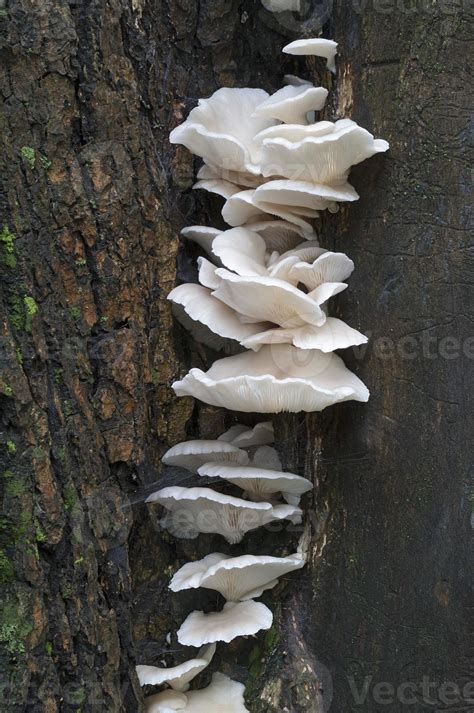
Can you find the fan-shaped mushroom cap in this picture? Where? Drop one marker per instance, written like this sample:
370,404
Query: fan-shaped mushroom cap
304,194
165,702
260,435
242,208
320,159
292,103
218,186
222,696
280,235
333,334
259,483
192,454
202,235
326,269
221,129
275,379
241,619
266,299
315,46
297,132
207,273
201,306
236,578
241,250
195,510
178,677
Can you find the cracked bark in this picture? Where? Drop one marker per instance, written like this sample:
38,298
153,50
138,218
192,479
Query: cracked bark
93,198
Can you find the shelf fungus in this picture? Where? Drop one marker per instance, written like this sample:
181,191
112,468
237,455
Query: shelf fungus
202,510
235,619
275,379
178,677
223,695
317,47
192,454
264,287
236,578
259,484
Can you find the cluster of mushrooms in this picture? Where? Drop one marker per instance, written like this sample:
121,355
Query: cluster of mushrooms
261,297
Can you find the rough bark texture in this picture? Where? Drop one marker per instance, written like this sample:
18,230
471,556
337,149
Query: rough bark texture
92,201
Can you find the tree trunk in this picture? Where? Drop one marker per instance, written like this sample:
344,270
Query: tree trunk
92,202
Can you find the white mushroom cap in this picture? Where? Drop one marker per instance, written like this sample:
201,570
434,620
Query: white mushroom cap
242,208
279,235
259,483
222,696
178,677
296,132
241,619
315,46
275,379
201,306
218,186
266,299
333,334
195,510
236,578
243,437
202,235
304,194
192,454
327,268
207,273
320,159
221,129
165,702
241,250
292,103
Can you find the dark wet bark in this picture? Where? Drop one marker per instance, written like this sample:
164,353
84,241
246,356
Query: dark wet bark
91,204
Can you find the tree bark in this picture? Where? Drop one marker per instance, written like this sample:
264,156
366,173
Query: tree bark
92,201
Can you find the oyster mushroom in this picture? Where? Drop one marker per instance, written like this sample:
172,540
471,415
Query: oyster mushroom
178,677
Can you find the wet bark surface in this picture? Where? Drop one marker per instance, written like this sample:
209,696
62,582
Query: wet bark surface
92,200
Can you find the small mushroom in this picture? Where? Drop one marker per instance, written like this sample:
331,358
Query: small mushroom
292,103
195,510
221,696
202,235
236,578
192,454
165,702
243,437
235,619
178,677
259,483
274,379
316,47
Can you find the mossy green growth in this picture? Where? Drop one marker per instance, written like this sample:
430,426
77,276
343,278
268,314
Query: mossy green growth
48,647
7,239
7,571
14,626
69,497
40,535
6,389
15,488
22,312
29,154
11,447
44,162
75,313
